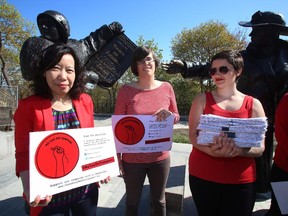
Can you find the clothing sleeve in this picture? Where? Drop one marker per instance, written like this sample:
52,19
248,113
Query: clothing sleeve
173,105
120,106
281,126
195,70
23,126
92,44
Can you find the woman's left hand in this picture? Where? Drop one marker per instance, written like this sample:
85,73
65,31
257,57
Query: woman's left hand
105,181
224,146
162,114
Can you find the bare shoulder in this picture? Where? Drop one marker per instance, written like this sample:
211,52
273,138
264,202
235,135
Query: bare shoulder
200,98
258,110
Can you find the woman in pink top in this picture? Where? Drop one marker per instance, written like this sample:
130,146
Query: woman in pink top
222,175
146,96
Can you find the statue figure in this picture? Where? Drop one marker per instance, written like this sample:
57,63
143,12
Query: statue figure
54,28
265,76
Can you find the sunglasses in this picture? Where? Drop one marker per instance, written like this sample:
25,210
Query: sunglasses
222,69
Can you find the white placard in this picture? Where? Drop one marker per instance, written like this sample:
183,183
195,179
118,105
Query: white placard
280,190
61,160
142,133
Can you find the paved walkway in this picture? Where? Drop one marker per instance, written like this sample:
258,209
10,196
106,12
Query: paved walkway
112,195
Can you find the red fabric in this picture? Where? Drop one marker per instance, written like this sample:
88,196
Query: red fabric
237,170
281,134
133,101
35,114
35,211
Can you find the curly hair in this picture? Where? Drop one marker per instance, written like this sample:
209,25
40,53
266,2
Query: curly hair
139,54
47,60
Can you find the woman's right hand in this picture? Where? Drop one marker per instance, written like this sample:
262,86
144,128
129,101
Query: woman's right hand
38,201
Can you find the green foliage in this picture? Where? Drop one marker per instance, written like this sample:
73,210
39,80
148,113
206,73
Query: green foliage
185,91
16,79
202,42
14,30
104,99
181,135
198,45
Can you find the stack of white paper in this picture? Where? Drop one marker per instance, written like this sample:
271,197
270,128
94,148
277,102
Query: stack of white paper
246,132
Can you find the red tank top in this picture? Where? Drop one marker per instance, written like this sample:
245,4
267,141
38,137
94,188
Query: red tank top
237,170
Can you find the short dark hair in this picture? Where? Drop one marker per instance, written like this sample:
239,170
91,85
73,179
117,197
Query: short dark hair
139,54
47,60
233,57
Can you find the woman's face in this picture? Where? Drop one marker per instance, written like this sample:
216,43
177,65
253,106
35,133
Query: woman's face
146,66
222,72
61,77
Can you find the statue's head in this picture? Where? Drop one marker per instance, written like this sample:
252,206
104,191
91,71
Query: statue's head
266,28
53,26
267,19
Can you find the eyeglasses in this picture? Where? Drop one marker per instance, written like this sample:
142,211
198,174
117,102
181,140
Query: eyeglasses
222,69
145,61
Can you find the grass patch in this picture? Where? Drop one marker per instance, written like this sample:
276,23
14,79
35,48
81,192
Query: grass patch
181,135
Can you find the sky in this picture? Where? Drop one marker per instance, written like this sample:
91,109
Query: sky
158,20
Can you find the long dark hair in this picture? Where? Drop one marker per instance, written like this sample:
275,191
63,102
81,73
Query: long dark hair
47,60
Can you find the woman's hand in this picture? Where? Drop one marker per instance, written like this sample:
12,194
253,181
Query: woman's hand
106,180
162,114
38,201
223,146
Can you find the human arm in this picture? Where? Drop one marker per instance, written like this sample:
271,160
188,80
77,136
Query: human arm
97,39
187,69
171,109
24,124
38,201
222,146
196,110
281,130
257,111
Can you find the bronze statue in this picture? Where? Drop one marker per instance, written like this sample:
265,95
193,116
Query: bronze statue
265,76
54,28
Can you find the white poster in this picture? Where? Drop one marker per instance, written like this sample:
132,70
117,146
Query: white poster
61,160
281,193
142,133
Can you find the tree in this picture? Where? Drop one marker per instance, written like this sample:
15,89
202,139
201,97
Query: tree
14,30
199,44
202,42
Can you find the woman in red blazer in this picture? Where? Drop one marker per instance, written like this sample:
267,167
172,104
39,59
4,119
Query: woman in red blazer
58,102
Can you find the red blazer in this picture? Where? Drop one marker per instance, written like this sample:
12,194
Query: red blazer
35,114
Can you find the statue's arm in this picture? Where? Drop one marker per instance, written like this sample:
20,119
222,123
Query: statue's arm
196,70
97,39
187,69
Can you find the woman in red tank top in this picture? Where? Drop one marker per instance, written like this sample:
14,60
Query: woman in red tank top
221,172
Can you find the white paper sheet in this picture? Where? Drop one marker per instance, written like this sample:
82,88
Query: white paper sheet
142,133
64,159
281,193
